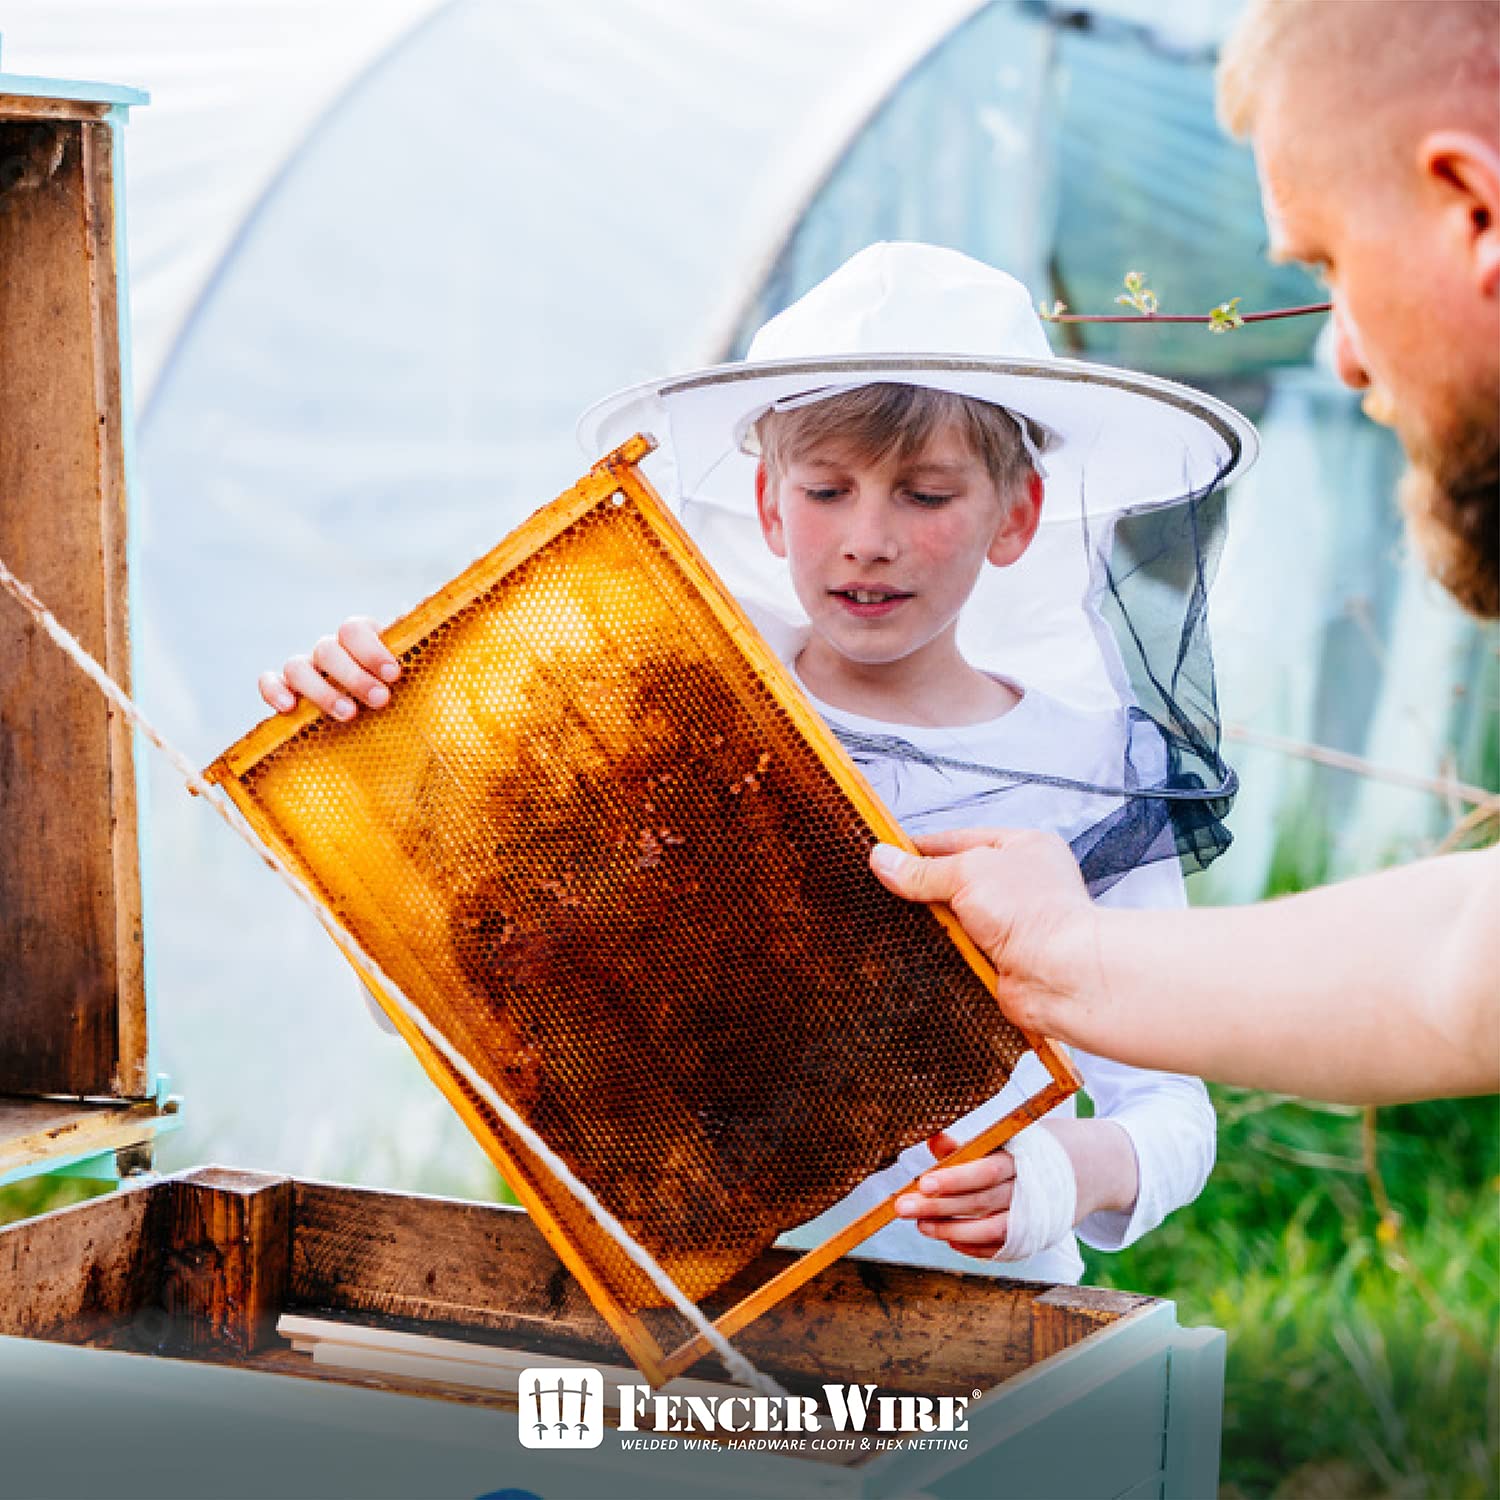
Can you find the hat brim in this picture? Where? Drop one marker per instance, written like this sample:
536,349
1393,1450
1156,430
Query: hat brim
1123,441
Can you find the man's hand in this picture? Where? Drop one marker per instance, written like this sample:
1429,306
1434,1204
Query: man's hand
968,1206
343,671
1373,991
1019,896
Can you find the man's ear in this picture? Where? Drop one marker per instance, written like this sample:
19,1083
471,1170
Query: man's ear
1466,169
768,508
1015,532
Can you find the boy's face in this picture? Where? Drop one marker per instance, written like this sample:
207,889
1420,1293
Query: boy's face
884,553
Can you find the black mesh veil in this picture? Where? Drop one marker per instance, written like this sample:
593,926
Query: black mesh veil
1105,617
1150,577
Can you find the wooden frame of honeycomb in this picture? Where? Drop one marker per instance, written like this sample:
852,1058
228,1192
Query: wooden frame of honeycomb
459,799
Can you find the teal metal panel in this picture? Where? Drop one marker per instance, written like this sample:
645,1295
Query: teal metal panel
1147,1489
101,1167
74,90
163,1429
1092,1423
1086,1424
1195,1407
96,1165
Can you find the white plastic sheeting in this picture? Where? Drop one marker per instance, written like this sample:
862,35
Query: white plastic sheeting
235,87
382,255
384,251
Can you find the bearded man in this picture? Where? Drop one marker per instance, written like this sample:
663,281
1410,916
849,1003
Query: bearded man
1375,125
1376,128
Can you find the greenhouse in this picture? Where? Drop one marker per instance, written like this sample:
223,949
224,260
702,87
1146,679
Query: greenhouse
381,257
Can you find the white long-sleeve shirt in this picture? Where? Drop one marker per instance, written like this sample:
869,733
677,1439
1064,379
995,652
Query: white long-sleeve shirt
1167,1116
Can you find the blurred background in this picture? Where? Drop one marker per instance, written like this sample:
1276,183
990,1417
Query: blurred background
381,255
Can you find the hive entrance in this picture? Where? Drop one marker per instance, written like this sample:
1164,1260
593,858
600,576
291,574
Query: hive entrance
602,842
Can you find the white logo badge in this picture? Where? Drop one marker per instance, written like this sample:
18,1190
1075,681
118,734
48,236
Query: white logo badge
562,1408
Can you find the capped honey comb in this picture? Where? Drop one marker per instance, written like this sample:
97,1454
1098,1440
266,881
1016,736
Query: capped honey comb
602,842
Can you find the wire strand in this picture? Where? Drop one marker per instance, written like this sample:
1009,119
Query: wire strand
735,1362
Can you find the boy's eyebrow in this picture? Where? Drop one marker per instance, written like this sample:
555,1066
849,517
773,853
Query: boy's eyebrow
920,466
937,466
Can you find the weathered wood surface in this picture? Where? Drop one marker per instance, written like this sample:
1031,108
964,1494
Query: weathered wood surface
487,1267
1062,1315
28,107
225,1270
72,998
34,1132
205,1262
82,1272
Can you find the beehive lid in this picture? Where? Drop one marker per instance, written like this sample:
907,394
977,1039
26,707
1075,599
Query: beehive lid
604,844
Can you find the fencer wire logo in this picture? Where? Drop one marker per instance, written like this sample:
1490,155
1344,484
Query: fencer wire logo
561,1408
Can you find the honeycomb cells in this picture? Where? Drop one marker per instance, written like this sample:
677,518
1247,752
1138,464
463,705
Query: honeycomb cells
589,843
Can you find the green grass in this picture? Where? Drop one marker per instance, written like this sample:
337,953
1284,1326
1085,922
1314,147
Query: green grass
40,1195
1342,1380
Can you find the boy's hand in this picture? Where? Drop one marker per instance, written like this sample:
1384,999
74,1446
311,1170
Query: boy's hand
342,672
968,1206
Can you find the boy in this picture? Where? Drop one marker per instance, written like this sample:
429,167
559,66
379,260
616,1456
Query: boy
889,480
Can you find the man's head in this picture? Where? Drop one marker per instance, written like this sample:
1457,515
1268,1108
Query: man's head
886,501
1376,126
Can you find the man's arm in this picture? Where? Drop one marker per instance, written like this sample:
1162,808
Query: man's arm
1376,990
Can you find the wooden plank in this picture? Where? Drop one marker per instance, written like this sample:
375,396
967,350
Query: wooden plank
83,1271
916,1330
132,1069
26,107
1065,1314
35,1133
437,1261
62,789
226,1270
480,1266
449,1361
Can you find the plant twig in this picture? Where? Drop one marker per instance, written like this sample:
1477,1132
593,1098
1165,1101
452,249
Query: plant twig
1476,817
1206,318
1485,802
1222,319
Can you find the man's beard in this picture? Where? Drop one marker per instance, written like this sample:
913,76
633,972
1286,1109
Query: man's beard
1451,497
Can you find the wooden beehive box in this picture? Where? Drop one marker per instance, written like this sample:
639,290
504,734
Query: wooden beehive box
145,1321
75,1079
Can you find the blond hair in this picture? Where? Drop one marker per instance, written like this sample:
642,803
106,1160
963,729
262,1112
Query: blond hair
1441,52
874,422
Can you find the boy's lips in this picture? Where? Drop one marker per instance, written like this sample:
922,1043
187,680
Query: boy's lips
868,603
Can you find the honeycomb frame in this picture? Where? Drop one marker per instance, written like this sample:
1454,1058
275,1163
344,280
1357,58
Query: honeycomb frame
614,484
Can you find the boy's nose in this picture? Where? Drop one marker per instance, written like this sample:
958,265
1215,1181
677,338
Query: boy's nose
869,537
